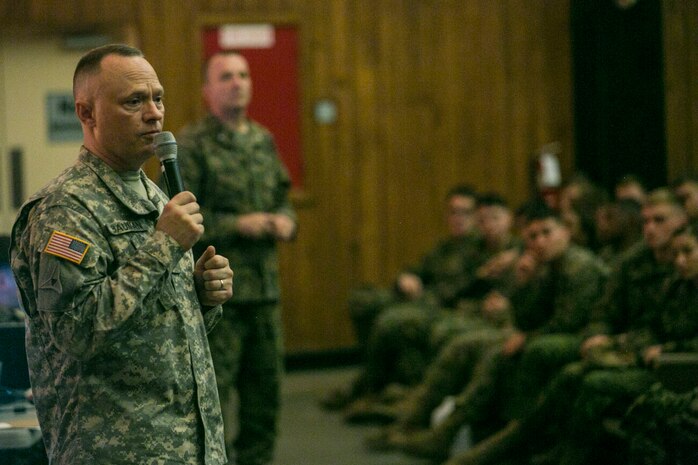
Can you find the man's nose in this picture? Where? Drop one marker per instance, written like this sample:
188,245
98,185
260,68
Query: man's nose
154,111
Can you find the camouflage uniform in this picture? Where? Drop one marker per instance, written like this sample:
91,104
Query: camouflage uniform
573,404
661,427
552,309
116,340
233,174
441,273
632,294
608,392
555,312
407,336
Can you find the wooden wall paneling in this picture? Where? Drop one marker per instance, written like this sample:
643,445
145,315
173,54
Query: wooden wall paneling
74,15
171,57
468,64
497,101
434,146
15,12
541,90
557,80
89,10
520,119
451,145
403,123
325,227
369,156
52,12
676,87
478,103
680,20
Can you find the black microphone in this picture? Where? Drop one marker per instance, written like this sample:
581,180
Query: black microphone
166,150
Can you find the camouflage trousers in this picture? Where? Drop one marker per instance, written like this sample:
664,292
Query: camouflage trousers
604,394
365,304
494,388
568,420
662,427
460,361
247,352
404,340
522,378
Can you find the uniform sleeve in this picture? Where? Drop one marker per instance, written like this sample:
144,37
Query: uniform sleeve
88,303
212,316
282,204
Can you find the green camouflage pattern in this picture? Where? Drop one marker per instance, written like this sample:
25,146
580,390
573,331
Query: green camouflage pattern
449,268
632,294
584,396
561,298
233,174
117,349
407,336
662,428
248,358
455,365
443,273
555,312
552,308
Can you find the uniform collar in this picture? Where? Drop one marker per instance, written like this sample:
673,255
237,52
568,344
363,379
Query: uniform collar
116,185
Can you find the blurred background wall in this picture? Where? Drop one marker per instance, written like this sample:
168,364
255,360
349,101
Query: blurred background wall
427,94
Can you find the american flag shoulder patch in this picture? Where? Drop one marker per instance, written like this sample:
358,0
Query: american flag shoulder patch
64,246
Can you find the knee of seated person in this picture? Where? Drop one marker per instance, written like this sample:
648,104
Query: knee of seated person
598,380
552,345
573,370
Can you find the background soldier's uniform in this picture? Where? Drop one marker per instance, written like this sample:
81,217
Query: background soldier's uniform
632,293
116,340
551,308
406,337
555,312
607,393
233,174
441,273
661,428
637,287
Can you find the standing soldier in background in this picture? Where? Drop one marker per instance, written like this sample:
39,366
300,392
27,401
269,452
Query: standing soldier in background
231,164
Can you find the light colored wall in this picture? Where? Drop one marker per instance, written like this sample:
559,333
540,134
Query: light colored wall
30,68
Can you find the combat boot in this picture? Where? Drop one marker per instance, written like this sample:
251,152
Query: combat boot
370,410
435,442
427,443
492,449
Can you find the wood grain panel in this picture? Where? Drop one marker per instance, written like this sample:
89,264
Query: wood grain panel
429,94
681,68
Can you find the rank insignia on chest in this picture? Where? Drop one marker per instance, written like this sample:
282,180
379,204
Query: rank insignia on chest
64,246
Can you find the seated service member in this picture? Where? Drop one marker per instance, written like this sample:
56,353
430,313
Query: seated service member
117,309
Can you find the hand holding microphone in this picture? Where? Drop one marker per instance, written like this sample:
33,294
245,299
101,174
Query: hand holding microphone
181,218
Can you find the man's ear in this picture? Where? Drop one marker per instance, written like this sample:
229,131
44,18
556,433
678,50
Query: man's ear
85,113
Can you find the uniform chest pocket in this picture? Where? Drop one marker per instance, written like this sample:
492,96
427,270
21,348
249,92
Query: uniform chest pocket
125,237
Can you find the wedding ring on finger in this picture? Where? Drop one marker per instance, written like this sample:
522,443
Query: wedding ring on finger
222,285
